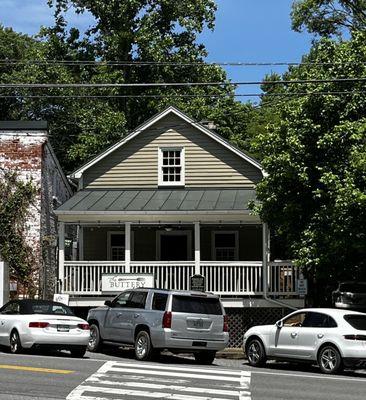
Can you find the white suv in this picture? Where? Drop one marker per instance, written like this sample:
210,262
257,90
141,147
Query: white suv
331,338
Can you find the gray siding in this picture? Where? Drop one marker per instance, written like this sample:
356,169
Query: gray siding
207,163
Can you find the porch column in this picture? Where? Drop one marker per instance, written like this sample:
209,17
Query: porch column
265,256
81,242
197,249
61,254
127,247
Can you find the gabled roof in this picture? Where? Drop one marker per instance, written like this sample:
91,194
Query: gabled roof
170,110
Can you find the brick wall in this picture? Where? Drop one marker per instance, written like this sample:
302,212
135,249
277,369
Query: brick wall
29,154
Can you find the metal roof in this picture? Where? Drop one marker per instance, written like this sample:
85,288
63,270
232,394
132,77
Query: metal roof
157,200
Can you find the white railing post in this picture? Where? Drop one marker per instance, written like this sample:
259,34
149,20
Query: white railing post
61,254
127,247
197,249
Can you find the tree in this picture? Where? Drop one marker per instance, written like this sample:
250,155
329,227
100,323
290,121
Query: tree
314,196
329,17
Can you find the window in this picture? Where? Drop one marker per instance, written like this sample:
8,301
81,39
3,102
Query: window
225,246
295,320
356,321
171,166
121,300
318,320
137,300
159,301
116,246
196,305
11,308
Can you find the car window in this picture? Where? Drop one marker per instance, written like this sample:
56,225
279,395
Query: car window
353,287
356,321
137,300
295,319
47,307
196,305
159,301
318,320
11,308
121,300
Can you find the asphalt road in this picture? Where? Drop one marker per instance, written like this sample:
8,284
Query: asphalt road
116,375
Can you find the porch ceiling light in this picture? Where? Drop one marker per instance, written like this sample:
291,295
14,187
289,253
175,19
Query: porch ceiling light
168,229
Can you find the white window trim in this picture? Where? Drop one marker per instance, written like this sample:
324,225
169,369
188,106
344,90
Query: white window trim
213,247
160,166
121,232
187,233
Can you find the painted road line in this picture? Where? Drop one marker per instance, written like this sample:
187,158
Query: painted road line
212,370
36,369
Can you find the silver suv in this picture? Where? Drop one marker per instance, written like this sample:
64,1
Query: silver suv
154,319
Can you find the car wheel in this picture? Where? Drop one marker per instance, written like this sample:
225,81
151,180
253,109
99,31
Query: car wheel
78,351
205,357
255,353
143,347
95,341
330,360
15,343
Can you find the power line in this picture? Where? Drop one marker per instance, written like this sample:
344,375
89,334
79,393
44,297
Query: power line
175,84
173,64
46,96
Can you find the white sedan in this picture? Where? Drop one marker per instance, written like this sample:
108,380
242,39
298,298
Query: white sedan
28,324
328,337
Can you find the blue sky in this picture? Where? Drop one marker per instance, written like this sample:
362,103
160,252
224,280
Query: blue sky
246,30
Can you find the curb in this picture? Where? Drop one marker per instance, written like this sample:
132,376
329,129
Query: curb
231,354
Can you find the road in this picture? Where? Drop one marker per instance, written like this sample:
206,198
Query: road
116,375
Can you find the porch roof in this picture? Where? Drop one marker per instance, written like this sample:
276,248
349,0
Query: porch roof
157,200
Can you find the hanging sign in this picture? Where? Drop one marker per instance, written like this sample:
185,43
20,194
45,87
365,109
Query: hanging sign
197,283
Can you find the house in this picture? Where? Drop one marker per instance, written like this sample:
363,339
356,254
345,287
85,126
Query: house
171,200
25,149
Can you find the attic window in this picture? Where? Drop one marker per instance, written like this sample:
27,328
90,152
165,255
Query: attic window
171,166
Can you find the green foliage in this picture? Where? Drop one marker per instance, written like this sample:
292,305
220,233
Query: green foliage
125,30
329,17
315,154
16,197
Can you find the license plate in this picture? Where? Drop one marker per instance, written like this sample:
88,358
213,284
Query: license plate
63,328
198,323
199,344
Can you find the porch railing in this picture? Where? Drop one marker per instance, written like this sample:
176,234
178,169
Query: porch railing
224,278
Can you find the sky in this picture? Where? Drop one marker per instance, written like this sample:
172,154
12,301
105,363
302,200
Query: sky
246,31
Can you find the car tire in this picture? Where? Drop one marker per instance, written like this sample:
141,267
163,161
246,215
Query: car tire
78,352
330,360
95,341
15,343
255,353
144,350
205,357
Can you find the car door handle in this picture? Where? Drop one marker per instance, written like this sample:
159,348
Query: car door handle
293,334
136,315
320,336
119,314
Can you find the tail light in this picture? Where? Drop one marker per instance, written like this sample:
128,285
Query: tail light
355,337
38,324
167,319
84,327
226,324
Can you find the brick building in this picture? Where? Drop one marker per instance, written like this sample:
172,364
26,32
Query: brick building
25,148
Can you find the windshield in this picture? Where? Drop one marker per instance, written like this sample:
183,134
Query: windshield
356,321
353,287
197,305
47,307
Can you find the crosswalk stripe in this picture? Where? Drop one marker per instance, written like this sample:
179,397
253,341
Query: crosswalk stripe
168,368
156,395
159,386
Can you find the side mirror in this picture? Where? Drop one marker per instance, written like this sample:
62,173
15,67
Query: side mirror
279,324
108,303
